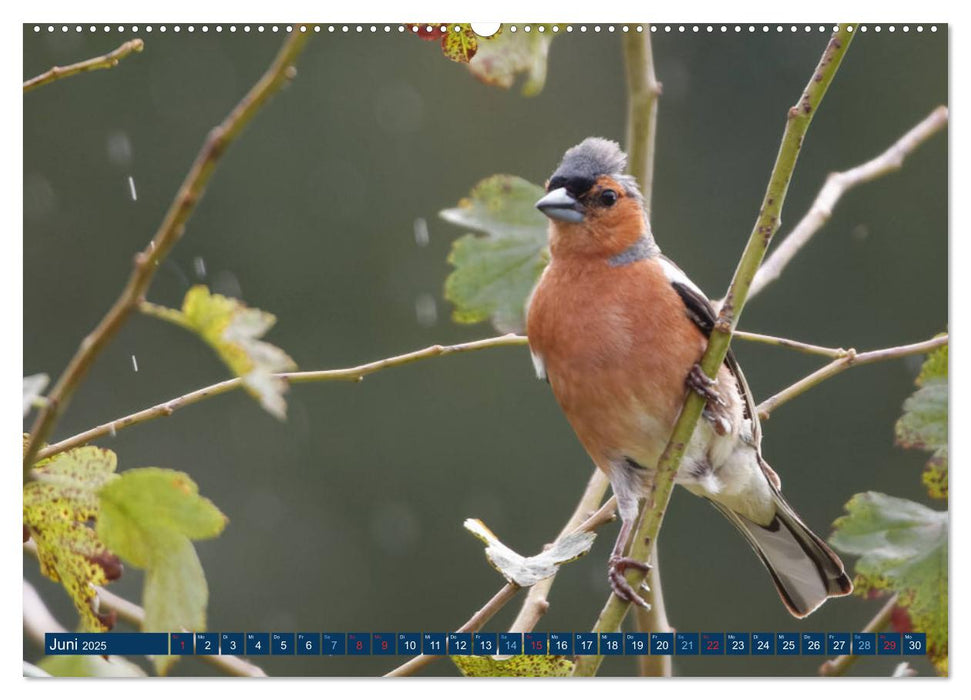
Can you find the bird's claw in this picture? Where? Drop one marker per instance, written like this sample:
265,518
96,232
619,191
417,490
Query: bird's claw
703,385
618,583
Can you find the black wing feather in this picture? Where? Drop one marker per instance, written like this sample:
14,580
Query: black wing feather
702,313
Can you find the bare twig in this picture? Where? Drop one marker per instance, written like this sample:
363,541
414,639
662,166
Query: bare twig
352,374
852,359
475,623
581,521
841,664
767,223
168,234
109,60
836,186
135,615
791,344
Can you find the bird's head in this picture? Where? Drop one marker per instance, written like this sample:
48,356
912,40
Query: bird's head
594,208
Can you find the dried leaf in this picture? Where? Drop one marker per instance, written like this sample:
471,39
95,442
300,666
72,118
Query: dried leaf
525,571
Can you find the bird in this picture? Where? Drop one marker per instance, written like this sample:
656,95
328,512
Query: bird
618,332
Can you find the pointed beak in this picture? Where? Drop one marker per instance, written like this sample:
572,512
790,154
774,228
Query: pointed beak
562,206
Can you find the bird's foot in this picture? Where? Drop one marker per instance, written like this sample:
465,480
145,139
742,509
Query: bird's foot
703,385
618,583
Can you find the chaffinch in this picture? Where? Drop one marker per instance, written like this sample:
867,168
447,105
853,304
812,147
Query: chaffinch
618,331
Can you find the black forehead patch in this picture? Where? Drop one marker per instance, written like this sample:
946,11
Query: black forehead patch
590,159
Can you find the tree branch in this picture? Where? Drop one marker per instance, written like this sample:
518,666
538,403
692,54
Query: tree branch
852,359
791,344
841,664
652,513
530,614
837,184
353,374
109,60
168,234
643,89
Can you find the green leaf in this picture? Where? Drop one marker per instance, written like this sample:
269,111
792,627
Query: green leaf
90,667
506,54
923,424
33,386
903,548
175,595
60,505
525,571
522,666
234,330
495,273
149,517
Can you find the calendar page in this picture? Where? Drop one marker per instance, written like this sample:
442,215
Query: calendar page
612,349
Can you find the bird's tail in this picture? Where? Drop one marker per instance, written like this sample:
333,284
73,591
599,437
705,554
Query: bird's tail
804,569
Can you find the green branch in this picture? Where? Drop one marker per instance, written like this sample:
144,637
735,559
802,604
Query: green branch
797,124
109,60
643,90
168,234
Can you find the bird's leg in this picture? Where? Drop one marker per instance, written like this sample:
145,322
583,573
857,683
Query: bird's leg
703,385
618,565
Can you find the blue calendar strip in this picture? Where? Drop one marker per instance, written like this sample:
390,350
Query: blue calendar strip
488,643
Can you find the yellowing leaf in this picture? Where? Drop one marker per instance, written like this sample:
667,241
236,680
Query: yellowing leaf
33,386
923,424
506,54
903,548
522,665
149,517
525,571
459,46
60,508
495,273
234,331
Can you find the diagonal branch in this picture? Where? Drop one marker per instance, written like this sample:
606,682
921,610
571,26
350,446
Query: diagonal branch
799,118
841,664
168,234
109,60
837,184
643,89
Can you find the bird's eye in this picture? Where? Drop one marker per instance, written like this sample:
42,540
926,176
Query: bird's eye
608,198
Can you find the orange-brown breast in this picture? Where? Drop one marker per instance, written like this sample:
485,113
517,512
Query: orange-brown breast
617,345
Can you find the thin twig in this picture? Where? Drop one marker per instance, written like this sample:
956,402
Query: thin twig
643,89
109,60
837,184
584,515
135,615
852,359
841,664
475,623
791,344
168,234
581,521
132,614
652,513
353,374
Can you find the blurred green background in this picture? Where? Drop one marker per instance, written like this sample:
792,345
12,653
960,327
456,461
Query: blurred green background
348,517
